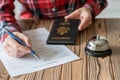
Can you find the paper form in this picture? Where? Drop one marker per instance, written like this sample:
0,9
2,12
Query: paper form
50,55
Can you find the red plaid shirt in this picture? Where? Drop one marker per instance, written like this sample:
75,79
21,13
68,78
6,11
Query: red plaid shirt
44,9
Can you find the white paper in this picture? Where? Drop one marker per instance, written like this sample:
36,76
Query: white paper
50,55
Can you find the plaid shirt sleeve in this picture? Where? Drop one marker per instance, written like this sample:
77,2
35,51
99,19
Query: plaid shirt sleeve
96,6
7,15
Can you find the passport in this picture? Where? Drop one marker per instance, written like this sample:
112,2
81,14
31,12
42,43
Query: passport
64,31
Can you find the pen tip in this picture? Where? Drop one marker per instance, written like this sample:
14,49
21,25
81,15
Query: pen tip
37,56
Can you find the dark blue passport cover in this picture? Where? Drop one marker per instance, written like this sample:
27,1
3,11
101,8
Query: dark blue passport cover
64,31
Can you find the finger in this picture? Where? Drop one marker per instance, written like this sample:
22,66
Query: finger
14,53
73,15
23,38
15,45
9,50
9,53
82,24
12,50
20,54
85,21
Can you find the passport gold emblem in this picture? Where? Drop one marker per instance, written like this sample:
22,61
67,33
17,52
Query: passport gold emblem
63,28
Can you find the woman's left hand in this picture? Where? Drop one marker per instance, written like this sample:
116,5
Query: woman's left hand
84,14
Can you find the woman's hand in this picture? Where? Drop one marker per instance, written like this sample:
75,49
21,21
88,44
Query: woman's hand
84,14
13,48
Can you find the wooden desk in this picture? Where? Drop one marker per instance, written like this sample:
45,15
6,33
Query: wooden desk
87,68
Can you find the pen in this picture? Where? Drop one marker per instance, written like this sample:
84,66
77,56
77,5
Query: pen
21,42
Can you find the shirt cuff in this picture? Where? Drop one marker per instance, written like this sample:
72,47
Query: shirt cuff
4,35
88,6
10,27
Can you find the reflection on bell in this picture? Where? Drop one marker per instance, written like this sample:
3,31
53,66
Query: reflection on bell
98,46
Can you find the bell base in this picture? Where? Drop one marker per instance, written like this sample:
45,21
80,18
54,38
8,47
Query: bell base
98,53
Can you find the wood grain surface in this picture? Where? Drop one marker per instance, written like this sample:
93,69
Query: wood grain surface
87,68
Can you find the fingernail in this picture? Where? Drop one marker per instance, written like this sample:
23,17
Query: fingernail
79,29
29,51
65,17
29,44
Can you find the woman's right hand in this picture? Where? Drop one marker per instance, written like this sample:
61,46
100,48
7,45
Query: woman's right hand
13,48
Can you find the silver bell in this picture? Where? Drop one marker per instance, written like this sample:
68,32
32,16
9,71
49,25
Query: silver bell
98,46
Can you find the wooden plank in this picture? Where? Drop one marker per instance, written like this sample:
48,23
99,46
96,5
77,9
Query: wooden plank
25,24
79,67
104,65
99,68
83,56
91,61
3,73
76,70
52,73
66,72
113,36
30,76
42,23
